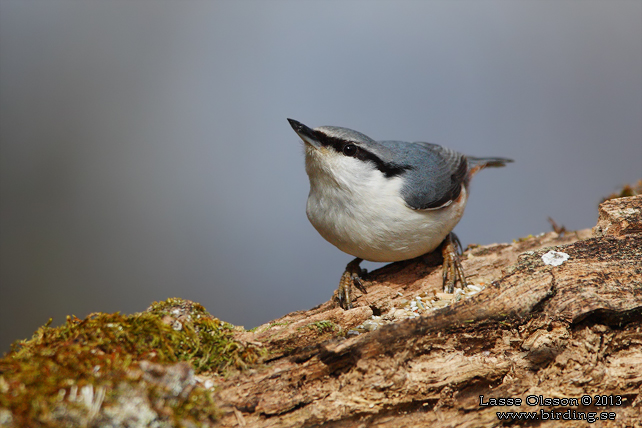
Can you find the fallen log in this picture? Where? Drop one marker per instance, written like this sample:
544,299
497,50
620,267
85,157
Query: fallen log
555,334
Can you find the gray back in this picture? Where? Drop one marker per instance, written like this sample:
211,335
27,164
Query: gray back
433,174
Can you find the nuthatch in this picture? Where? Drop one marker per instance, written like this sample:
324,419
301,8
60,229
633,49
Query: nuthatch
386,201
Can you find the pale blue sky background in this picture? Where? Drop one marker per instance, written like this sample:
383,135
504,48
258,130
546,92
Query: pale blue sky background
145,151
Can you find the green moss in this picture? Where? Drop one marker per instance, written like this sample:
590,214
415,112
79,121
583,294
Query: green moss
203,340
103,351
323,326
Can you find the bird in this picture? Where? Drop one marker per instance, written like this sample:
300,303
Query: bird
386,201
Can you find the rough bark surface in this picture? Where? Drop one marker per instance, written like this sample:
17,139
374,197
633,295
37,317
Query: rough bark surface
561,332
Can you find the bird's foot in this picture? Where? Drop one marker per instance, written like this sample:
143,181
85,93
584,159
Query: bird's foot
351,277
453,270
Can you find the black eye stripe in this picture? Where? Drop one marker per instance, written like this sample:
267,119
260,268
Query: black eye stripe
388,169
337,144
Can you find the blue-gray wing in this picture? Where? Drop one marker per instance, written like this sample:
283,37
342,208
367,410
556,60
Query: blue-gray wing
435,176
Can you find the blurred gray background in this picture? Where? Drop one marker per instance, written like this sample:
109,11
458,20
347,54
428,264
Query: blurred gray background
145,151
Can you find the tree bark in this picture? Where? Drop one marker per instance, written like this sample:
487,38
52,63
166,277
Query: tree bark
564,339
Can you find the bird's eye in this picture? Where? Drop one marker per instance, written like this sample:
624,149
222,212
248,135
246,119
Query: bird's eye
349,150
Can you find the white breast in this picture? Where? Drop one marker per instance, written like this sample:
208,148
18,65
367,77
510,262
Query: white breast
360,211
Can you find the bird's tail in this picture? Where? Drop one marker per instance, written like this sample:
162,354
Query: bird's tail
477,164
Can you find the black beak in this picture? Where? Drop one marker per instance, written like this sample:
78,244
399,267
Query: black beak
308,135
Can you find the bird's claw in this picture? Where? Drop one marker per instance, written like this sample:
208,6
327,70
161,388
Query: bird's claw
351,277
453,270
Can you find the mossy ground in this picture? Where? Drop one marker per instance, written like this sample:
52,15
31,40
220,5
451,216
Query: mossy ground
40,377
